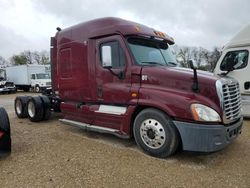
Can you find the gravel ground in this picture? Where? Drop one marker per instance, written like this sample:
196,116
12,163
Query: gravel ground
51,154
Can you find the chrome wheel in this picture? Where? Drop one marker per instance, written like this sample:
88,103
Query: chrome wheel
31,109
152,133
19,107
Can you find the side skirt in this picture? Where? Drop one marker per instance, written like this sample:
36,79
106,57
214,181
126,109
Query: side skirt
94,128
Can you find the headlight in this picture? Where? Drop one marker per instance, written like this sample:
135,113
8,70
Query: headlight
204,113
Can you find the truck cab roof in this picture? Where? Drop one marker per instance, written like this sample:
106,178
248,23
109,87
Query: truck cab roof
108,26
240,39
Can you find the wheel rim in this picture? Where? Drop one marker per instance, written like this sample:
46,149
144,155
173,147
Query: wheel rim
31,109
37,89
152,133
18,107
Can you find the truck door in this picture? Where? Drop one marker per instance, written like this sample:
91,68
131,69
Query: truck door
33,80
113,81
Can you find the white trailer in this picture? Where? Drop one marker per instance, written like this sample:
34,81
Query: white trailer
26,77
235,62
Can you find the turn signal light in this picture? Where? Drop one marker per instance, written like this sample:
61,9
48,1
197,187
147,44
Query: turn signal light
160,34
134,94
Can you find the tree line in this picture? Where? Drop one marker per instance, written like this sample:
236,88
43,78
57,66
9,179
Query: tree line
26,57
204,59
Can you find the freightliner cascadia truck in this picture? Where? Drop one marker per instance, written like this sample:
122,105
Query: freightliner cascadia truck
115,76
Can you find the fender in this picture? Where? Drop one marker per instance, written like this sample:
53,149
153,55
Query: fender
175,103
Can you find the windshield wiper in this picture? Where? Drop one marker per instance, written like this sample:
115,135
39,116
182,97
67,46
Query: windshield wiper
152,63
172,63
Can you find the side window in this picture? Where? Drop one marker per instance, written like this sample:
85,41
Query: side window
33,76
65,65
238,59
112,55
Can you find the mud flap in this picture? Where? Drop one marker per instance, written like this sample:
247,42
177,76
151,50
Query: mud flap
5,134
5,144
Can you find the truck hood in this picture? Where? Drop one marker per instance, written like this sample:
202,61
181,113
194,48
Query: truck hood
43,80
177,78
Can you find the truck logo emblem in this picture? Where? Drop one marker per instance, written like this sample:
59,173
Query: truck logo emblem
144,77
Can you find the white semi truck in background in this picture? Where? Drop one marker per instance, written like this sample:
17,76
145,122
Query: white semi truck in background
26,77
235,62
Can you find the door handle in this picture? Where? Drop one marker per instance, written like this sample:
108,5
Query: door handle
99,91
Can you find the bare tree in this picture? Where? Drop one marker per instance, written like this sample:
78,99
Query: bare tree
184,55
3,62
215,56
44,57
205,59
18,60
29,56
37,57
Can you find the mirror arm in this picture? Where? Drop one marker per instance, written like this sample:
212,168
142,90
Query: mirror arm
120,75
195,86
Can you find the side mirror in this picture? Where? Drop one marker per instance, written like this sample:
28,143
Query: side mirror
247,85
106,56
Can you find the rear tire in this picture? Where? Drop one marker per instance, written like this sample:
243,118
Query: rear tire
35,109
21,106
46,107
155,133
5,133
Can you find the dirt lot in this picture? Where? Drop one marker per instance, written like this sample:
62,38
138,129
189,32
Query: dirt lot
50,154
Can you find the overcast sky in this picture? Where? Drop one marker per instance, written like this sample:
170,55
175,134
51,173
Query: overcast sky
29,24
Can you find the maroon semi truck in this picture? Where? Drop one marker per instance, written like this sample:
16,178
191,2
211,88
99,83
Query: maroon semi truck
116,76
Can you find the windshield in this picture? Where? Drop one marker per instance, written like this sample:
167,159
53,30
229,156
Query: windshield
151,52
234,60
43,76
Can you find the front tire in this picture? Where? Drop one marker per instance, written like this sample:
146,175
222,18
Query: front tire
155,133
37,89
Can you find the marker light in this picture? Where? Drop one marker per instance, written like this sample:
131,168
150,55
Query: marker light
160,34
137,28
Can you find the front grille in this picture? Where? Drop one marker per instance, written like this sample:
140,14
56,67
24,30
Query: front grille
9,84
232,100
48,83
229,92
